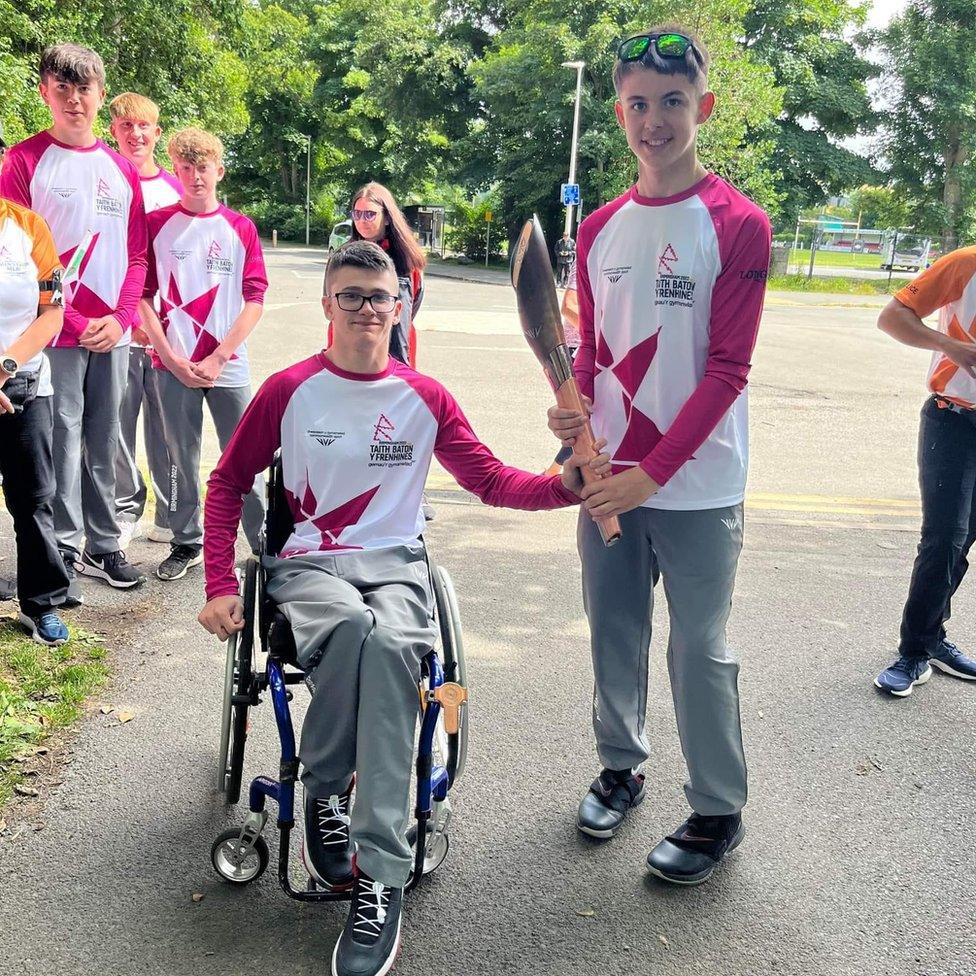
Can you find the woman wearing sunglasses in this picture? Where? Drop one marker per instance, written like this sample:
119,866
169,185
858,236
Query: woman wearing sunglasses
377,218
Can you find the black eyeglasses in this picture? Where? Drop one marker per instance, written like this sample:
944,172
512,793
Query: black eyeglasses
350,301
669,46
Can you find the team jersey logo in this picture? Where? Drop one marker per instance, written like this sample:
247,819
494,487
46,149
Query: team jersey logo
326,437
106,203
12,265
385,452
382,429
64,191
672,289
216,263
666,261
181,254
613,275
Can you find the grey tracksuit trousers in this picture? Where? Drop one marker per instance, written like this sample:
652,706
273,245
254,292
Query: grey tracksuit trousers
88,389
695,552
183,420
141,394
362,621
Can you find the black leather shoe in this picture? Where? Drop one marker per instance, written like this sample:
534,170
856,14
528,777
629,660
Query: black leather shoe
369,942
612,794
695,849
326,845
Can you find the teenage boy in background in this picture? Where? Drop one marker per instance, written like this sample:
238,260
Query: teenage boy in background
207,267
946,466
90,197
135,128
671,281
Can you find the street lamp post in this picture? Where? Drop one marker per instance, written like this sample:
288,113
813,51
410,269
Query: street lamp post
578,66
308,186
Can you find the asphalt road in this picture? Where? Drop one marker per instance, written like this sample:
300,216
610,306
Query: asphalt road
859,857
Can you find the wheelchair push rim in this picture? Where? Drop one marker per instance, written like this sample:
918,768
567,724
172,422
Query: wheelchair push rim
452,653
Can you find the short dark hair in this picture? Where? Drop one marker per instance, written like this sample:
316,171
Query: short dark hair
689,66
72,63
358,254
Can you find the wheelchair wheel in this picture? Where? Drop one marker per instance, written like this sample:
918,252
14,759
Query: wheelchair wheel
437,847
235,862
238,675
452,658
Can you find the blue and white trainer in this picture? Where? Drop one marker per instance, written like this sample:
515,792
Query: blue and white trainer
950,659
48,628
903,675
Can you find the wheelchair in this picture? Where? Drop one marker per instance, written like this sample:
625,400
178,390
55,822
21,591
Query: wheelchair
262,658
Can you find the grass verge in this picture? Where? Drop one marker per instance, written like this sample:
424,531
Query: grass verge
837,286
42,689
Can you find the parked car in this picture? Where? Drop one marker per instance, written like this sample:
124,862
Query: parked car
340,234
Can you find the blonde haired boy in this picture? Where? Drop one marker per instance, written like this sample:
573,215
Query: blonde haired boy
207,269
135,128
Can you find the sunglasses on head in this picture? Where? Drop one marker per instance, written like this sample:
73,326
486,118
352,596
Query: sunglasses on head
364,214
668,46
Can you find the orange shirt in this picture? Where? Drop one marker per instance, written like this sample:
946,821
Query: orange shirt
27,257
948,287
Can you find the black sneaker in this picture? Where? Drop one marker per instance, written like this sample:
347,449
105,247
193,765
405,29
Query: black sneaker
695,849
369,942
611,795
74,596
179,560
111,567
326,845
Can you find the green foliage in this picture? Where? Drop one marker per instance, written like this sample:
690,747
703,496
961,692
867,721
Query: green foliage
882,207
523,135
41,689
467,230
930,134
808,46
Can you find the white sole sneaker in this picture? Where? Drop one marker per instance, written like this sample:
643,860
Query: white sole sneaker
920,680
31,627
85,569
195,561
945,668
128,530
156,534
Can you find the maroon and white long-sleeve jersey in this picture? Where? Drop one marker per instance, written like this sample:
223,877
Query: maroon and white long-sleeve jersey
204,267
355,452
78,191
670,294
160,190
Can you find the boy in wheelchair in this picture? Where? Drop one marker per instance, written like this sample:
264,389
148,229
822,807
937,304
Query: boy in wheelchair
357,431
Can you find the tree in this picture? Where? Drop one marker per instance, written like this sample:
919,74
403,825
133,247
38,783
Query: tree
808,47
182,55
523,133
881,207
929,134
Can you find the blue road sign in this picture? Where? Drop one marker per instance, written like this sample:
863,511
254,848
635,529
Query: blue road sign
570,196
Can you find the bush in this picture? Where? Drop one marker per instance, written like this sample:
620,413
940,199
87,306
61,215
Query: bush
467,227
289,218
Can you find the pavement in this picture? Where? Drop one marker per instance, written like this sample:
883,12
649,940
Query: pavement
858,859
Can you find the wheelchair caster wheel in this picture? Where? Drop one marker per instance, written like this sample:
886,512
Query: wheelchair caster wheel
437,847
237,863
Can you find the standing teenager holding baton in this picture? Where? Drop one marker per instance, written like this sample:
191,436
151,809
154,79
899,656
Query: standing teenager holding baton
671,280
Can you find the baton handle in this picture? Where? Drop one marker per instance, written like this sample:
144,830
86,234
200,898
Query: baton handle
568,398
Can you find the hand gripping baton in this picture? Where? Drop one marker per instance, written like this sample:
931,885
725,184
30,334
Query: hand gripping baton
542,326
